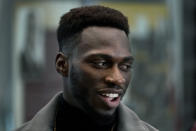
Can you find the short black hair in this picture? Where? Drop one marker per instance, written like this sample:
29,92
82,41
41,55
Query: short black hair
72,23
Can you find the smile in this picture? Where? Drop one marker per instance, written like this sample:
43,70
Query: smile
110,98
112,95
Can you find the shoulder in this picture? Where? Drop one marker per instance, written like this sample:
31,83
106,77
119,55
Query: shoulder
44,119
148,126
24,127
129,120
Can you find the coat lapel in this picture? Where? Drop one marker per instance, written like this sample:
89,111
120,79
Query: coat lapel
128,120
45,118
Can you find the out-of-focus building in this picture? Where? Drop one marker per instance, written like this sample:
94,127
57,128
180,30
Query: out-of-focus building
162,37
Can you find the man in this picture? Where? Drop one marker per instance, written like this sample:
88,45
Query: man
94,59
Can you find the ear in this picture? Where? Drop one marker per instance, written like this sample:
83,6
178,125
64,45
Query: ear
61,63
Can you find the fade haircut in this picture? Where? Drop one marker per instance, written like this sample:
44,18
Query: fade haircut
72,24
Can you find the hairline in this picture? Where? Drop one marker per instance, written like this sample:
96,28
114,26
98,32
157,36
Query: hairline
76,39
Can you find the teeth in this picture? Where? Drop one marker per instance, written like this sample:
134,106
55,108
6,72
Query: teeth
113,95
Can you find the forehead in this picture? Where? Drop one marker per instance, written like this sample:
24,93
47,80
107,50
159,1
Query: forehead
103,40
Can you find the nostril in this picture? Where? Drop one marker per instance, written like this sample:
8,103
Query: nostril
110,84
114,86
114,83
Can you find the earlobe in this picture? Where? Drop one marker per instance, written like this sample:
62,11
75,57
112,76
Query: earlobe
61,63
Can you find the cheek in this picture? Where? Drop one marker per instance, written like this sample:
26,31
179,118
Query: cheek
90,75
84,81
128,78
80,84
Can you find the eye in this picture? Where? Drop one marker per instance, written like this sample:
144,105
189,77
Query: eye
101,64
125,67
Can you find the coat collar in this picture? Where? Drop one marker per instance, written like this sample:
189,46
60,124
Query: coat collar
128,120
44,120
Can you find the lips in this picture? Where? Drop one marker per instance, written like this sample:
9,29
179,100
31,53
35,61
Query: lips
110,98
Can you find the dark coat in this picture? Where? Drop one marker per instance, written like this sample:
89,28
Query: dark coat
44,119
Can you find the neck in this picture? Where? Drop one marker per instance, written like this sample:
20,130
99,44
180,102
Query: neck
101,120
98,118
71,114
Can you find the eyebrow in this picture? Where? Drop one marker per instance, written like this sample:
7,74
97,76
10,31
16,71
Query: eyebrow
128,58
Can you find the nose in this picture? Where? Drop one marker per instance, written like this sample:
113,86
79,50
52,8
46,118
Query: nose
115,77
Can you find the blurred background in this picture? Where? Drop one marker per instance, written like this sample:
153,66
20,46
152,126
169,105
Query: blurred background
162,91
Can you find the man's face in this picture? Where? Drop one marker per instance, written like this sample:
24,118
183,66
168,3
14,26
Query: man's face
99,70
